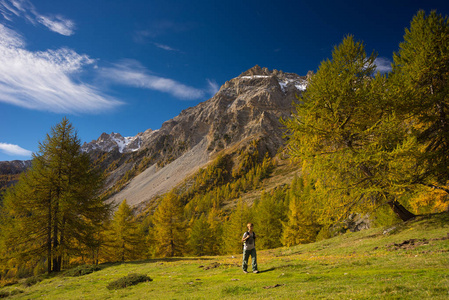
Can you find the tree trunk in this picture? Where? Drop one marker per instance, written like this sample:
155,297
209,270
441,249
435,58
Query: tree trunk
401,211
56,252
61,245
49,236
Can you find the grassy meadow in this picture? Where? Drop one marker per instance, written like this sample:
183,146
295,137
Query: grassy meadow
407,261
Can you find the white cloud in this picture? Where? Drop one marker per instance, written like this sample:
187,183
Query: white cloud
45,80
131,73
383,65
10,38
26,10
11,149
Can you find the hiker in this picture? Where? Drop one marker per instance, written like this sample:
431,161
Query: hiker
249,248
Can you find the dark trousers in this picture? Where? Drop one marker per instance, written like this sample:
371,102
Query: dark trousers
246,254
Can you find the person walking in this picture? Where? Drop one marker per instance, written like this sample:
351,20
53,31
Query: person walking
249,249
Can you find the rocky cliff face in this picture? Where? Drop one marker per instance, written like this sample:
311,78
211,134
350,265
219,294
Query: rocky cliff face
245,108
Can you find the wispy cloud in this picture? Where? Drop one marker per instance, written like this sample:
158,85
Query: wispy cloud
160,28
165,47
383,65
57,24
11,149
132,73
213,86
46,80
25,9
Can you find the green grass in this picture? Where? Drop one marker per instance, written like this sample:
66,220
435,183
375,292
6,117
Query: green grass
361,265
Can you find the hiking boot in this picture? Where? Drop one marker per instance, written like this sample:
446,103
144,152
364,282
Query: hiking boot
255,271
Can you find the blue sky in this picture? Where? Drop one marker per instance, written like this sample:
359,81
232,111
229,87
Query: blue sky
126,66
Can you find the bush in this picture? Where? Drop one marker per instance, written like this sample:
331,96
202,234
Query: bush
82,270
8,282
131,279
32,281
6,294
15,292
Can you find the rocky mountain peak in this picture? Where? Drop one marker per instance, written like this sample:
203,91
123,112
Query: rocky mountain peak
248,106
258,77
256,71
114,141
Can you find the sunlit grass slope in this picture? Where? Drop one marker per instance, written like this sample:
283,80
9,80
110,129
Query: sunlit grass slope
407,261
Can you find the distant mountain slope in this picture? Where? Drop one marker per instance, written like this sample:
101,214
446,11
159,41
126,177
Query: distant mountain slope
10,171
155,181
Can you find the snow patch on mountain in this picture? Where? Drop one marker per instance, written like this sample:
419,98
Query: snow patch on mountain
300,84
254,76
123,142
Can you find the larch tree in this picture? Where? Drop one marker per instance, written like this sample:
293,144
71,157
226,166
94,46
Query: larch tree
199,236
420,87
205,233
125,240
342,134
269,212
234,228
215,226
301,226
53,209
169,227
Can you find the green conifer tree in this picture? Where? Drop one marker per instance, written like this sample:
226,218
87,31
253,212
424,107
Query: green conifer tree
215,225
302,225
54,207
235,227
199,235
269,212
420,91
126,241
169,227
342,132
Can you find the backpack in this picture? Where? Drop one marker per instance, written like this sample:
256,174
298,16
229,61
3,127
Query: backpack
254,237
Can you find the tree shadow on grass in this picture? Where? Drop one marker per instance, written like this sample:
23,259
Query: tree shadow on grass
267,270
